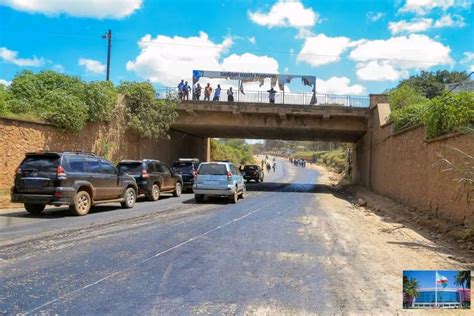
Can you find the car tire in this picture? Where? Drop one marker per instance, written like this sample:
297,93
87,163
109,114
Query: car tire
199,198
81,205
130,197
154,193
234,198
34,209
178,189
243,194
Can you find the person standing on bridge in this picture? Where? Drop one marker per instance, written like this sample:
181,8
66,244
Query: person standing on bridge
186,89
271,95
207,92
180,89
230,96
197,92
217,94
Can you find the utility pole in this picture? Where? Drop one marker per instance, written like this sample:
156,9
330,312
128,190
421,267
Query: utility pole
108,36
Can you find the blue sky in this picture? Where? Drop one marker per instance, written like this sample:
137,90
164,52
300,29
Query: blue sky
353,47
426,278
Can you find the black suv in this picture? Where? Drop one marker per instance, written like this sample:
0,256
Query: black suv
252,172
152,177
79,180
187,168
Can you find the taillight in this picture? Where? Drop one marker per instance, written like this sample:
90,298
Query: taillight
229,175
145,174
18,169
60,172
195,173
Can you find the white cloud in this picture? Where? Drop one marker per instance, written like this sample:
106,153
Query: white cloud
471,68
10,56
92,66
379,71
167,60
321,49
413,26
5,82
252,40
287,13
423,7
58,68
402,53
100,9
468,57
450,21
339,86
375,16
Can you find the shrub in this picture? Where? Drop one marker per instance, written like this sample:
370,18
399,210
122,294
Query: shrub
409,115
64,110
448,113
405,96
3,99
147,116
100,98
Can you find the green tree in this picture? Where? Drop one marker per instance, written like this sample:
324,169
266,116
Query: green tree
64,110
147,116
405,95
463,278
431,84
100,98
3,99
410,287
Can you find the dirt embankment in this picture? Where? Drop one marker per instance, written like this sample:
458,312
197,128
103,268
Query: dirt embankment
455,239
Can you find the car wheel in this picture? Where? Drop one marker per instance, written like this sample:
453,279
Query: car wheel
154,193
130,198
243,193
199,198
234,198
34,209
82,204
178,188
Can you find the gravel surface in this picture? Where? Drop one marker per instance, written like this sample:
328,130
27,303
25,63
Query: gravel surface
290,247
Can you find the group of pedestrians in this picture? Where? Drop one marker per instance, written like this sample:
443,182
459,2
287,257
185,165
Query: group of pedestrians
298,162
184,89
268,164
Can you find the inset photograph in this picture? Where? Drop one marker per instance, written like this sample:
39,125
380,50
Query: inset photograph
436,289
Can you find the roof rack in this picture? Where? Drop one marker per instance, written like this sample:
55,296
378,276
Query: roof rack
77,152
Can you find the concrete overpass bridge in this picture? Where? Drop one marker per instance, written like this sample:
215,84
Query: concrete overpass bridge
251,120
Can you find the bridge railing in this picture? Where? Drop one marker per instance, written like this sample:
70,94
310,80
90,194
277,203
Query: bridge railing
293,98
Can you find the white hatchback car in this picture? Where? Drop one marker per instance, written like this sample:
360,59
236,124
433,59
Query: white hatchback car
219,179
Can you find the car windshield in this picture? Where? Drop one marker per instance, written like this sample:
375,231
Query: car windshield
40,163
213,169
250,168
183,166
131,167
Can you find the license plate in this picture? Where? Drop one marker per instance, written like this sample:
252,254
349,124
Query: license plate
34,183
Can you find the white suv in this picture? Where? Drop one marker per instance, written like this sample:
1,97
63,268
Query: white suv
218,179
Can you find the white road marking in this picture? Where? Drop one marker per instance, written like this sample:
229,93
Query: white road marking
144,260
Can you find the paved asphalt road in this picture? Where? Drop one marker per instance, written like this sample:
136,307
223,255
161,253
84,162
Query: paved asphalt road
177,257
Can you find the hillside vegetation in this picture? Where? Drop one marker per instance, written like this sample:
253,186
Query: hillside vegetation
234,150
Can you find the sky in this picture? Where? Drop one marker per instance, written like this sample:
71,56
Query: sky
426,278
352,47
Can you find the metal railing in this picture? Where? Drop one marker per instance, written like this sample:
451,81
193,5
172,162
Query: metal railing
290,98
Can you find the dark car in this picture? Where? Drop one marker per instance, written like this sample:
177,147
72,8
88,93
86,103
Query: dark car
79,180
153,177
253,172
187,168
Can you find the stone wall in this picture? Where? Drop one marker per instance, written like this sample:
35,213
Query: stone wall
112,141
409,169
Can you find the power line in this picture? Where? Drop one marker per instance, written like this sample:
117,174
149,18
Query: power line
221,47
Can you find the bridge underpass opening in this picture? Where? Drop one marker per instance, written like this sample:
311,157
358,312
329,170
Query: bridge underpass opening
270,121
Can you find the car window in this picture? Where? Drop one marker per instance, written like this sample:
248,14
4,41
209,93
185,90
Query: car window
77,165
235,171
151,166
165,169
41,163
183,166
93,165
159,167
107,168
212,169
130,167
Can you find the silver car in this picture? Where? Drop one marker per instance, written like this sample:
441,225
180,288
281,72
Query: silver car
218,179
